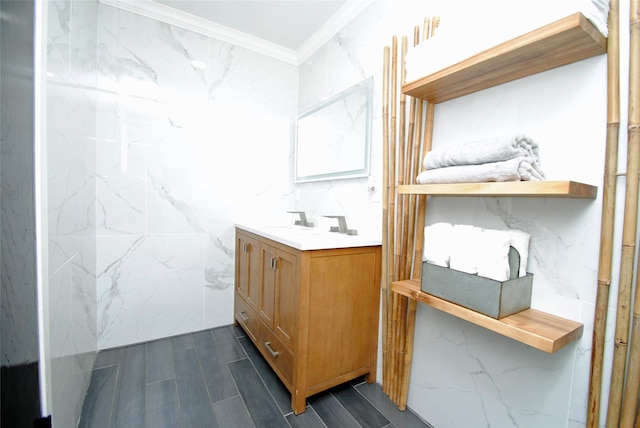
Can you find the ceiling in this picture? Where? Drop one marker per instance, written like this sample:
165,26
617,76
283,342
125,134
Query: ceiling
285,23
288,30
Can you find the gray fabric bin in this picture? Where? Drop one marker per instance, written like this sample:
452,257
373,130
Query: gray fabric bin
490,297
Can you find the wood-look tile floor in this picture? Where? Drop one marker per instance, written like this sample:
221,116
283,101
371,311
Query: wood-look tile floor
217,378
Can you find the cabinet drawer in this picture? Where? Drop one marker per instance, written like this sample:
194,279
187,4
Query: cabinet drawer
246,317
280,358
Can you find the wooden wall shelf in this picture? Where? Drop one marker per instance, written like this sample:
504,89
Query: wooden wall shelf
544,189
540,330
563,42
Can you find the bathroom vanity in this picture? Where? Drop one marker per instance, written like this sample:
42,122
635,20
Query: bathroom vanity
309,301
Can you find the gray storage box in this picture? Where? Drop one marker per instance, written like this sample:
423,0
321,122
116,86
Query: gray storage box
487,296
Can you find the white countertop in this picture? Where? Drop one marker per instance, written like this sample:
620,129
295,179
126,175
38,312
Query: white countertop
310,238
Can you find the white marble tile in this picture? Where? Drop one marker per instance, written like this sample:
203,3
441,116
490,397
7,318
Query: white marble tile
498,381
581,377
149,286
217,310
143,56
72,334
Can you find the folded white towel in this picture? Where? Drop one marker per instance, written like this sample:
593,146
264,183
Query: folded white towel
478,152
517,169
437,244
520,241
466,244
493,257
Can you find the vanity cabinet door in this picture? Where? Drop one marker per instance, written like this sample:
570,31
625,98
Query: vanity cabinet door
279,297
248,269
287,286
268,266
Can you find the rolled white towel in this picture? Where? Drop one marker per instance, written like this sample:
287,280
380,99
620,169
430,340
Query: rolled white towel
520,241
493,257
466,244
495,149
437,244
517,169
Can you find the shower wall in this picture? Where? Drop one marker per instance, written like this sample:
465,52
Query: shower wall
71,315
182,152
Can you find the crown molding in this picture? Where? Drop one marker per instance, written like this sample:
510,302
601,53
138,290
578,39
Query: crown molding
342,17
163,13
160,12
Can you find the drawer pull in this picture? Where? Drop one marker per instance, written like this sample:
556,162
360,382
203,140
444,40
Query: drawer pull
271,351
244,316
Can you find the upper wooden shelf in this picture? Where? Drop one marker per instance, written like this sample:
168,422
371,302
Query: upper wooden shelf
545,189
562,42
543,331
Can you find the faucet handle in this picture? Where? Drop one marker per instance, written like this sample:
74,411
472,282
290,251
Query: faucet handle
303,219
342,224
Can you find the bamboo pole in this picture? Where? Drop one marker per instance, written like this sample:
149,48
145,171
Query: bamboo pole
392,209
608,217
401,226
417,264
632,383
407,224
626,262
386,287
419,210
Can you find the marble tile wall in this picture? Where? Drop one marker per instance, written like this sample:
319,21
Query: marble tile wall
70,199
457,365
182,153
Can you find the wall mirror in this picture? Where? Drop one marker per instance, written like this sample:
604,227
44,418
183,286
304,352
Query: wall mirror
333,139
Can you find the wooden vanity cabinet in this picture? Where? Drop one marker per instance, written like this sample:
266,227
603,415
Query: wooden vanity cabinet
312,314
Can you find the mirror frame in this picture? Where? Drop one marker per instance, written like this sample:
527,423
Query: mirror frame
315,142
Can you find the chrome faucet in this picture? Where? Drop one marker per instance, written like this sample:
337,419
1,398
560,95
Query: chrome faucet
342,225
303,219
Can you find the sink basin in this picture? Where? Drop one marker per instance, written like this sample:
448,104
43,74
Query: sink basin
309,238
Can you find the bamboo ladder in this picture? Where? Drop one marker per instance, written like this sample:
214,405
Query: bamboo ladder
399,231
403,215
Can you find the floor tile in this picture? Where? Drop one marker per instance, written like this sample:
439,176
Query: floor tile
232,413
98,402
213,360
278,391
217,378
195,406
159,361
308,419
107,358
262,408
332,413
130,390
229,348
405,419
161,405
361,409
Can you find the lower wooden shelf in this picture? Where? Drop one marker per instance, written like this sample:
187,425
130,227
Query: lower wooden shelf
530,189
541,330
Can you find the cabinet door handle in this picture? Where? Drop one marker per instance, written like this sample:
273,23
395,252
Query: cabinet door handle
244,316
271,351
246,248
274,263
